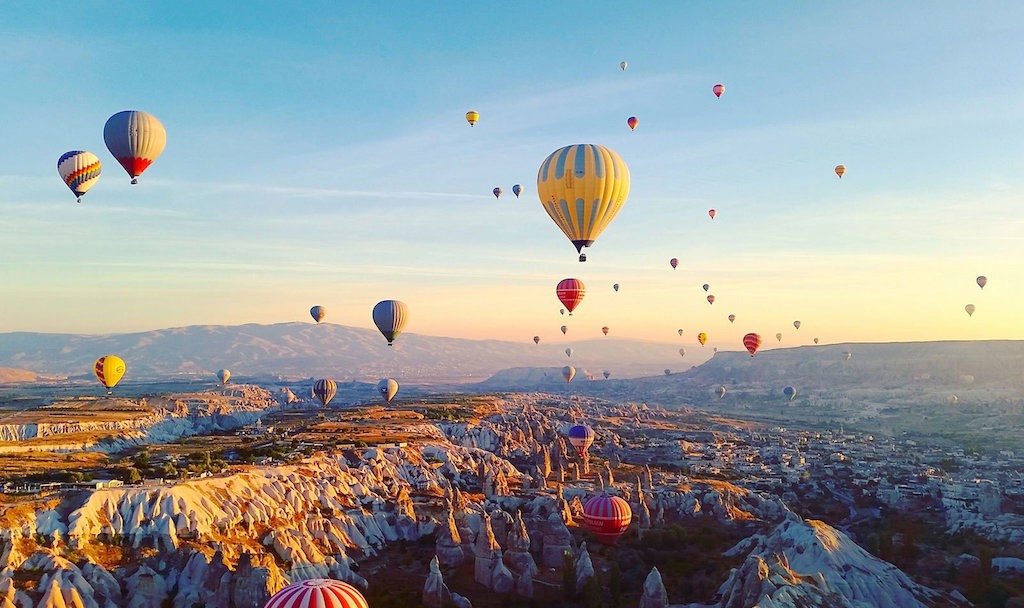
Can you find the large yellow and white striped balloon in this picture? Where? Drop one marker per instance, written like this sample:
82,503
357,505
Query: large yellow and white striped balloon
583,187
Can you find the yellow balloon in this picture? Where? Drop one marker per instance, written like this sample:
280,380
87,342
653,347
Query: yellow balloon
702,338
472,116
109,370
583,187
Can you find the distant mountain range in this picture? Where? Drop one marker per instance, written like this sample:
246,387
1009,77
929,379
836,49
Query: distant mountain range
301,350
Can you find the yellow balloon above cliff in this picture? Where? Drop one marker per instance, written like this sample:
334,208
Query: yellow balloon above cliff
582,187
109,370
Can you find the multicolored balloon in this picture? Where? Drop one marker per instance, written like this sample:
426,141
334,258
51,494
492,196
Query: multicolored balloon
982,280
570,293
472,116
732,318
517,190
387,388
318,313
702,338
605,330
223,375
840,170
109,370
623,65
325,389
752,342
632,121
718,89
390,317
568,372
711,299
582,188
80,171
607,517
581,437
318,593
496,192
135,139
790,392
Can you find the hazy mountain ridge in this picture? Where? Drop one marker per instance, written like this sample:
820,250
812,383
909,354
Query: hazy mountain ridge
305,349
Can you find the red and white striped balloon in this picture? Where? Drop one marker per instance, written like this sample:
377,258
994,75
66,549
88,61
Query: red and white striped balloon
318,593
570,292
607,517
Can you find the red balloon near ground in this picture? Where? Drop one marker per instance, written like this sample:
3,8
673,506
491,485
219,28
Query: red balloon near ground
607,517
319,592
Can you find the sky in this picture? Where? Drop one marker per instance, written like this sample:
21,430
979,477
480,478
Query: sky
319,155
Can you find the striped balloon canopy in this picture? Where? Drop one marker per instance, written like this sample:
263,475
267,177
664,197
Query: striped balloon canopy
135,139
318,313
325,389
752,342
570,293
581,437
80,171
582,188
318,593
390,317
607,517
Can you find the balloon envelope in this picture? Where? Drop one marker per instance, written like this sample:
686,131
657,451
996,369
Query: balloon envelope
632,121
778,337
607,517
390,317
570,293
682,352
815,340
223,375
970,309
840,170
496,192
705,287
712,213
752,342
517,190
623,65
80,171
536,339
318,593
472,116
711,299
679,331
564,329
674,262
702,338
318,313
615,287
982,280
718,89
790,392
387,388
582,188
605,330
568,372
581,437
732,318
109,370
325,389
568,352
721,392
796,324
135,139
607,374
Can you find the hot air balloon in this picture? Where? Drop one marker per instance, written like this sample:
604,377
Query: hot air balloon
325,389
561,311
679,331
722,392
840,170
607,374
702,338
615,287
715,349
796,324
536,339
970,309
604,330
109,370
570,292
80,171
318,593
568,372
790,392
390,317
568,352
564,329
848,355
732,318
387,388
472,116
582,188
607,517
712,213
223,375
135,139
623,65
778,337
668,372
581,437
517,190
674,262
632,121
318,313
815,340
982,280
705,287
682,352
496,192
752,342
711,299
718,89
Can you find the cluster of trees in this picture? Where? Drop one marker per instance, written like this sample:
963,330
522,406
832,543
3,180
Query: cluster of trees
142,466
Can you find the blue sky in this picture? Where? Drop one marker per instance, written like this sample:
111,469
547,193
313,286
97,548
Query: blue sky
319,155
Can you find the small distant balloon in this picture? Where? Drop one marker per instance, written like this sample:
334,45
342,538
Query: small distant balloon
536,339
568,372
517,190
982,280
668,372
705,287
682,352
732,318
615,287
607,374
718,89
840,170
632,121
970,310
712,213
325,389
568,352
752,342
721,392
623,65
790,392
223,375
472,116
564,329
604,330
848,355
496,192
387,388
674,262
318,313
702,338
679,331
711,299
561,311
796,324
778,336
815,340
